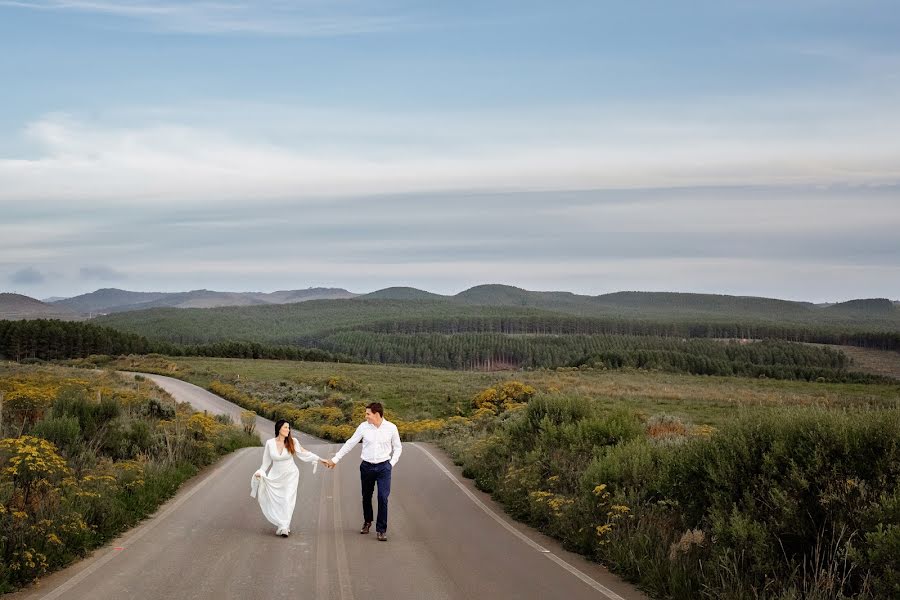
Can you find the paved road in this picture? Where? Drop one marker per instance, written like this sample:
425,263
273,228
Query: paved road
447,540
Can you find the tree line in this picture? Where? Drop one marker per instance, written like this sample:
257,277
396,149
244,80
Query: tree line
44,339
47,339
771,358
569,325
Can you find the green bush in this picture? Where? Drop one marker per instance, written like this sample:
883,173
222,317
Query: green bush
64,432
782,503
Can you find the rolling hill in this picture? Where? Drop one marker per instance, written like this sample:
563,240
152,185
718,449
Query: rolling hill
403,293
111,300
14,307
506,310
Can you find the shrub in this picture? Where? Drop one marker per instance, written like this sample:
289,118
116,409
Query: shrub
248,421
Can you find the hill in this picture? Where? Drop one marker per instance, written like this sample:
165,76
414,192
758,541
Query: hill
111,300
14,307
506,295
290,296
403,293
105,299
506,310
295,323
675,302
871,307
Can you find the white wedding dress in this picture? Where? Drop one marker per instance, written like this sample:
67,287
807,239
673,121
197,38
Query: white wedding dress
276,490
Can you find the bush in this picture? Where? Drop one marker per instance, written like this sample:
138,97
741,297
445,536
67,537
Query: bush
783,503
63,432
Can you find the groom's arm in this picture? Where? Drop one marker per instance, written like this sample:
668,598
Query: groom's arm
349,444
396,446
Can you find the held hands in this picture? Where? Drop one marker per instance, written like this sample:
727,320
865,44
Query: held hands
328,463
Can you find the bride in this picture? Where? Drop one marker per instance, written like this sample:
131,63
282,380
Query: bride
277,489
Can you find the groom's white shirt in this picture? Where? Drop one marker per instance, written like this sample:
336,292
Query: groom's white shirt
379,443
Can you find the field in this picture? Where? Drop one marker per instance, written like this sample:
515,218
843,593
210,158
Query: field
421,393
886,364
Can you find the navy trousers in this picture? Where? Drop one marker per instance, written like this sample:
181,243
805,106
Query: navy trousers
369,475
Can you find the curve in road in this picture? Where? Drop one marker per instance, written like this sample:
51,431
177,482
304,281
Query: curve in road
448,540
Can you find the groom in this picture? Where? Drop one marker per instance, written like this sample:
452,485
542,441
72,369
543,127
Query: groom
380,452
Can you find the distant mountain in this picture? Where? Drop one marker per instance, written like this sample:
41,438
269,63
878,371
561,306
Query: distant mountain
643,303
627,304
111,300
52,299
194,299
291,296
717,303
105,299
15,307
403,293
876,307
507,295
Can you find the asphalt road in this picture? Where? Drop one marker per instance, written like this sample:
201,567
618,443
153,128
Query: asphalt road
447,540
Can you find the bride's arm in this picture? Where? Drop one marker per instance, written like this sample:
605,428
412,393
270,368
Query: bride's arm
267,459
304,454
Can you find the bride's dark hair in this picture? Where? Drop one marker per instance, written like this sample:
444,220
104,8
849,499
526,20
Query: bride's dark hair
289,440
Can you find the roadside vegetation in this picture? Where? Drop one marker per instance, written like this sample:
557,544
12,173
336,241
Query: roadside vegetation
86,455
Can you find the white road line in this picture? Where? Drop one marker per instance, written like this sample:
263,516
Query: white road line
568,567
340,549
322,548
133,537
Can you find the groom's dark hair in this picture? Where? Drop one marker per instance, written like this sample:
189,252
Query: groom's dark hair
376,407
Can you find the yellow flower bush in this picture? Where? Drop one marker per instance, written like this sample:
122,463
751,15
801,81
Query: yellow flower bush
203,427
505,396
28,461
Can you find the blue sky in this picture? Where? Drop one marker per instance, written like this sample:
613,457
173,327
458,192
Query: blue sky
741,147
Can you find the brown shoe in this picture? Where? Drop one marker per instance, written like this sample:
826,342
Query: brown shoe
382,536
366,526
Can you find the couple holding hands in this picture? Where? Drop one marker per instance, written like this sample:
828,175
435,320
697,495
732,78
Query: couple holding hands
275,483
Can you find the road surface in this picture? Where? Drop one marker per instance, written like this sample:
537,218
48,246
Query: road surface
447,540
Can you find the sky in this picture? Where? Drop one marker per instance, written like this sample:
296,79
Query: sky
746,147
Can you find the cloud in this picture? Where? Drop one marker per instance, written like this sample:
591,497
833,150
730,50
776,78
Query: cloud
99,163
261,17
27,276
101,273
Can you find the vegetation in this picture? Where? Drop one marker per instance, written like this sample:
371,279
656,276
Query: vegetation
500,327
781,360
53,340
714,487
786,503
84,456
416,393
44,339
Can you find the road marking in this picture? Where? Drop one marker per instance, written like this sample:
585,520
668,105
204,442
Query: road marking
137,534
340,548
322,549
568,567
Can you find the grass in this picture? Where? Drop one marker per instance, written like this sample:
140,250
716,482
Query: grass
876,362
420,392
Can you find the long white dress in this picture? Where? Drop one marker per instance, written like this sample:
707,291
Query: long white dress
276,490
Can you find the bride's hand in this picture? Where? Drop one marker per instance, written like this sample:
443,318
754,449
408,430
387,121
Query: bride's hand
257,475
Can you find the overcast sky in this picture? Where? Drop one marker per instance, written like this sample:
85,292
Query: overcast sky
746,147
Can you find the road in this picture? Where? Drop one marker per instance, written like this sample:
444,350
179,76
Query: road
447,540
